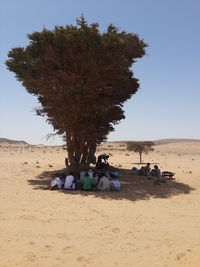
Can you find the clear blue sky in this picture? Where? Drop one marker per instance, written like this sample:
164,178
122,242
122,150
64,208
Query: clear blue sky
167,104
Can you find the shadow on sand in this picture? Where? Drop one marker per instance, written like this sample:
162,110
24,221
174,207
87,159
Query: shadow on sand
133,188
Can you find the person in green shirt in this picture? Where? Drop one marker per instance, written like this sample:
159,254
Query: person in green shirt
87,182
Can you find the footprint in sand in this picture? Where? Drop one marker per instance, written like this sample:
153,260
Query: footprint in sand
49,247
62,236
31,257
179,256
105,228
67,248
27,217
115,230
82,259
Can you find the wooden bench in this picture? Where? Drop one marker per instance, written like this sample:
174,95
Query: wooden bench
168,175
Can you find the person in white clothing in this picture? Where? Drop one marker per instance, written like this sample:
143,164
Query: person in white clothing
104,184
56,183
69,181
90,173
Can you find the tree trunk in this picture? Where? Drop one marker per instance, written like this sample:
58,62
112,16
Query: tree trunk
71,151
84,154
140,152
79,151
91,155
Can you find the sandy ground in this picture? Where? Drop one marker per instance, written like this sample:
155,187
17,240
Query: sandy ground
143,225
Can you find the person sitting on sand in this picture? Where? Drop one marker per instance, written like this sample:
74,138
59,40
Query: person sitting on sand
135,171
82,175
90,173
104,183
69,182
156,172
114,185
95,179
147,170
141,171
58,183
87,182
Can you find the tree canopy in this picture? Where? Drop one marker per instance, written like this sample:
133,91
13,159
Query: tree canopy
140,147
81,78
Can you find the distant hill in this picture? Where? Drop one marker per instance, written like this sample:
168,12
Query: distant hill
12,142
173,140
5,141
158,142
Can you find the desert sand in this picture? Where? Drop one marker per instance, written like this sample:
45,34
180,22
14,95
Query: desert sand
143,225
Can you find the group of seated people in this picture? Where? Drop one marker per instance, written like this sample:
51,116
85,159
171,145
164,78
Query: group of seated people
87,180
147,171
154,174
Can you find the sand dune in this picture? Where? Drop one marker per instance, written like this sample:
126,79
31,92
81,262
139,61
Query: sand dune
143,225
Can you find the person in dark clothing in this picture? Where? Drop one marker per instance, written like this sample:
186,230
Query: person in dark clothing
102,160
156,172
147,170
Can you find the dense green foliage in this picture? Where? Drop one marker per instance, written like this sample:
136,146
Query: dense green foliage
81,78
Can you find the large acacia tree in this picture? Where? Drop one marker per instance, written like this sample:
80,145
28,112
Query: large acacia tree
81,78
